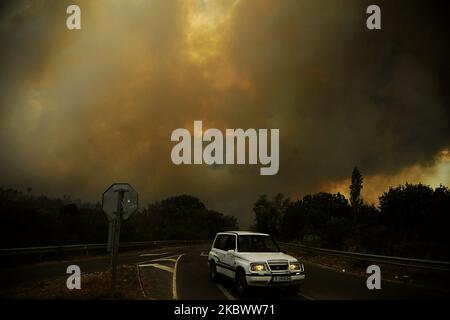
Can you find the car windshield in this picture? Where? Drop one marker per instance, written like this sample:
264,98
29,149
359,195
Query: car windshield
257,243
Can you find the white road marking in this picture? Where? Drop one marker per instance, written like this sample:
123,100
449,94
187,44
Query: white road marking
225,292
203,254
140,281
152,254
165,259
159,266
149,261
174,279
305,296
229,296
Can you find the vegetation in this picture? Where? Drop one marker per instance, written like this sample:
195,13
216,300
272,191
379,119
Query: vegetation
39,221
176,218
94,286
411,220
355,191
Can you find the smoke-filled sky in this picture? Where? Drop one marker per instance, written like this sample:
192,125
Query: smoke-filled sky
82,109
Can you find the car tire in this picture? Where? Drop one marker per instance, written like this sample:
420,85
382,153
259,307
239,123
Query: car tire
241,284
213,275
293,290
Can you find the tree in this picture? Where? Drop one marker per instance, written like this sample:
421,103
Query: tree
355,191
269,214
417,220
262,213
29,221
320,219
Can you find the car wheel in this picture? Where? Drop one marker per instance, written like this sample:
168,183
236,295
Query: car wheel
241,283
293,290
213,271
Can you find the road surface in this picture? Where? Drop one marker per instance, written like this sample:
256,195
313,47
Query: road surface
182,273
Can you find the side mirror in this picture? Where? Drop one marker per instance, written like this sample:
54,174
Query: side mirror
230,252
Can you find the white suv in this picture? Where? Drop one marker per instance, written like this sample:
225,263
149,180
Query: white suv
253,259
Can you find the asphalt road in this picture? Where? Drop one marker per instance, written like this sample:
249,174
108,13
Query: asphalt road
182,273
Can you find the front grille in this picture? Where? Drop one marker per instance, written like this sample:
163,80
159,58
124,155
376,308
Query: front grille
278,265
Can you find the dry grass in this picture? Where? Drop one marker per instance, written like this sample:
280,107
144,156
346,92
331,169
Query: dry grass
94,286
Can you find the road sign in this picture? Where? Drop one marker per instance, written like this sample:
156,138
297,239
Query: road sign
119,202
111,198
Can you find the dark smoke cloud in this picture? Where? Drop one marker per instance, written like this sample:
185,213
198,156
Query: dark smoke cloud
82,109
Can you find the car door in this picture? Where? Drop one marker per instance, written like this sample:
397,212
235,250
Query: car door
219,252
228,258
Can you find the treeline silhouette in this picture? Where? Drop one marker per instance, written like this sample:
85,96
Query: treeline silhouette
40,221
411,221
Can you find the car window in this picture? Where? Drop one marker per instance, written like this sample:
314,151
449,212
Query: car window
220,242
225,242
257,243
230,243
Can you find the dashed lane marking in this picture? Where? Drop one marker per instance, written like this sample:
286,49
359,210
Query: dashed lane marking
157,265
203,254
225,292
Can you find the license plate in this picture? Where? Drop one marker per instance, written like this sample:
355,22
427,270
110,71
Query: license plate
281,278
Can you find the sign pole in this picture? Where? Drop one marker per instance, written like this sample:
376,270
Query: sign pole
116,239
119,202
110,236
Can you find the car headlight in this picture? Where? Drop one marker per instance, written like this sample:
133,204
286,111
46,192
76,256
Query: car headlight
258,267
294,266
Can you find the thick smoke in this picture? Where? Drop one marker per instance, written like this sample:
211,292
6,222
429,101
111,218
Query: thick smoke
81,109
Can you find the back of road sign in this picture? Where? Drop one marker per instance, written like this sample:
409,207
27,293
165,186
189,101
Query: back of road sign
111,197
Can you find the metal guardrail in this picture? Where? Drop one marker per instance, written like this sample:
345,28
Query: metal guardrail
95,246
417,263
407,262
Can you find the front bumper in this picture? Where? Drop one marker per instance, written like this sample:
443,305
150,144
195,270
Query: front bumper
266,280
